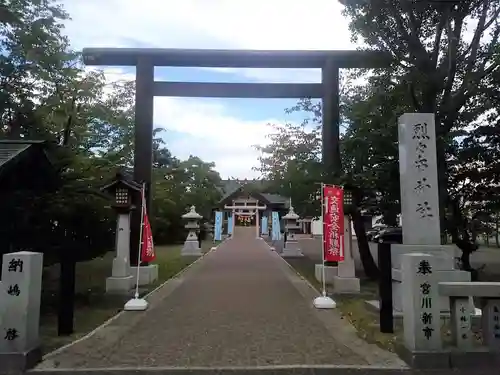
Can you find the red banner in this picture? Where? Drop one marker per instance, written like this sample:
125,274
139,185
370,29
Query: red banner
147,246
333,223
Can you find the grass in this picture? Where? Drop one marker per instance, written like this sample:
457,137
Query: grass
92,305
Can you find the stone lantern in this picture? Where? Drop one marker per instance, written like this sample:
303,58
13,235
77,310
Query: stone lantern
191,245
121,189
292,228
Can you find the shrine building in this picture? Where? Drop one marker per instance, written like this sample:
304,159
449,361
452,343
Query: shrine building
243,199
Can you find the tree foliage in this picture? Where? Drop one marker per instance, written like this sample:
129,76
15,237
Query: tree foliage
47,94
291,160
445,60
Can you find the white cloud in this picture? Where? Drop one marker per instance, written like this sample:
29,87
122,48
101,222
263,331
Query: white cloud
232,24
249,24
211,132
231,161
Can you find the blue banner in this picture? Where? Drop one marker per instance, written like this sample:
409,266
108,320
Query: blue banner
276,229
230,224
264,229
218,226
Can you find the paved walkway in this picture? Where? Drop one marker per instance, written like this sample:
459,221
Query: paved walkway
241,305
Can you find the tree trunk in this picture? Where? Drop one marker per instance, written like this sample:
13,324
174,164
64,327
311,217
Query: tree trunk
456,224
369,266
497,238
473,230
67,263
390,218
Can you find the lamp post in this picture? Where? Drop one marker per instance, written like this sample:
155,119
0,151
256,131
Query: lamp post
121,189
347,199
348,207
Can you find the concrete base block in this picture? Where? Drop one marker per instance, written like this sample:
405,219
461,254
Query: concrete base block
474,359
147,274
292,250
17,363
119,285
346,285
425,360
191,248
330,273
291,254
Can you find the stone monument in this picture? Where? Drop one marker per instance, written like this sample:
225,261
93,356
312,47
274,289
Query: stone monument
292,227
423,329
488,294
420,205
421,325
230,224
121,280
346,281
191,247
20,311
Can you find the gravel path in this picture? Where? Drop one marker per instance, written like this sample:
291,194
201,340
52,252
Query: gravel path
241,305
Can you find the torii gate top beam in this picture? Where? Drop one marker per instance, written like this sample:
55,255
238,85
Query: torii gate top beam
210,58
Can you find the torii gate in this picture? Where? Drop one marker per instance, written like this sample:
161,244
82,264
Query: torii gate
146,59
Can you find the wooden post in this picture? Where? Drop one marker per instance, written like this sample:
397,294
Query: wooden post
385,288
143,153
330,118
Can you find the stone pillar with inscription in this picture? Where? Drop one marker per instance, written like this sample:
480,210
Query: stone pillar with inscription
491,324
230,224
346,281
257,224
420,204
20,311
465,350
421,322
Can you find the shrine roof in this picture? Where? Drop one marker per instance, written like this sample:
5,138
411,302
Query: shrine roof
275,198
232,187
125,177
12,149
16,155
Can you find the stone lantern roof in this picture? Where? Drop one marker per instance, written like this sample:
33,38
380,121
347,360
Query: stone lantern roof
192,214
291,215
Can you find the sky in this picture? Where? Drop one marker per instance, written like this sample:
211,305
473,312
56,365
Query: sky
218,130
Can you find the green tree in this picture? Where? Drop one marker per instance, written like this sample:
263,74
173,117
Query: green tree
290,161
179,185
34,53
439,67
